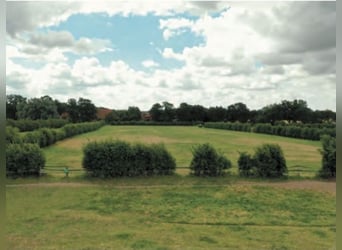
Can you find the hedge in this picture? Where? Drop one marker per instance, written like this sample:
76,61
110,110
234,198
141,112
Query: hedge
314,132
236,126
45,137
24,159
29,125
328,152
118,158
207,161
12,135
154,123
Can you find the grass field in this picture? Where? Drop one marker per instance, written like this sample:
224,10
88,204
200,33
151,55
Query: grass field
169,217
300,154
172,212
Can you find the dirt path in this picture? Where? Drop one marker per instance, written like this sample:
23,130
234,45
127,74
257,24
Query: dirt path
320,186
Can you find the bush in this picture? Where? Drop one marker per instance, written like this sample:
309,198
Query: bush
270,161
118,158
207,162
12,135
246,165
328,157
24,159
29,125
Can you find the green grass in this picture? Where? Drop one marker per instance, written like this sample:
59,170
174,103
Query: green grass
302,154
169,217
170,212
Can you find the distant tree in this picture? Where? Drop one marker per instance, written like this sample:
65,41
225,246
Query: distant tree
72,109
156,112
216,114
37,108
238,112
134,114
169,112
86,109
11,105
199,113
112,117
183,112
62,107
323,116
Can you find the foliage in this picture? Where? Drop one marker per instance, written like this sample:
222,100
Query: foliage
132,114
235,126
12,102
238,112
37,108
12,135
45,137
300,131
207,162
328,157
24,159
246,165
269,161
82,110
119,158
30,125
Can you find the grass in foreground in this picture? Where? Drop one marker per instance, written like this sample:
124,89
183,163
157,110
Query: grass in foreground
179,141
226,217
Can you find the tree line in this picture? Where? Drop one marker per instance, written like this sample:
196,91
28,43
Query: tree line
83,110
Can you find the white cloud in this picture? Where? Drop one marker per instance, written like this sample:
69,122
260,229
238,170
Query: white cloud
246,55
150,64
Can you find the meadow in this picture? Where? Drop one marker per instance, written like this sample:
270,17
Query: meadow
172,212
300,154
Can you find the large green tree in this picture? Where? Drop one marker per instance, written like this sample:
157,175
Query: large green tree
11,105
37,108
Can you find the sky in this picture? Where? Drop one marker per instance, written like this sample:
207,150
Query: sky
137,53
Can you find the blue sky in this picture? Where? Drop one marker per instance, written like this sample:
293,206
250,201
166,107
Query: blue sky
134,39
140,53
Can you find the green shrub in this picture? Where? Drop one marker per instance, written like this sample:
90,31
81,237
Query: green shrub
207,162
270,161
29,125
118,158
24,159
246,165
328,157
12,135
162,161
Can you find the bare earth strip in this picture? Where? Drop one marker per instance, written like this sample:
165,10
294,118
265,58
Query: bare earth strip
321,186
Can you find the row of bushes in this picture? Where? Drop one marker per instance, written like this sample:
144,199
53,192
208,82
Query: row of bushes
294,131
235,126
23,153
154,123
45,136
306,125
30,125
118,158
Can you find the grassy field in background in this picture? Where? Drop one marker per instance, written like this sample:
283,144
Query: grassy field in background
302,154
173,217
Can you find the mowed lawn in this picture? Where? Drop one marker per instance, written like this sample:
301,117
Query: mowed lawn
239,216
299,154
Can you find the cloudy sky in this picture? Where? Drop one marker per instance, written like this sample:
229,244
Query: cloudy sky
138,53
